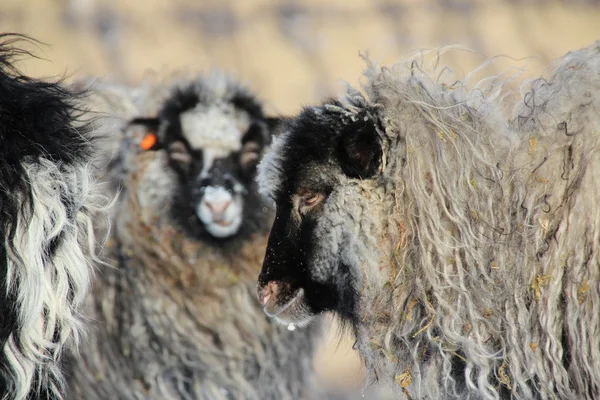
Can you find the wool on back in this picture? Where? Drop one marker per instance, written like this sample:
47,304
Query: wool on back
480,241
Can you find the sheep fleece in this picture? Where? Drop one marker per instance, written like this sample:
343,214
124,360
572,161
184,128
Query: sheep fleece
480,241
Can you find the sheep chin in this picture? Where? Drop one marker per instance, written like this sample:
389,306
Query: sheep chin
294,312
223,230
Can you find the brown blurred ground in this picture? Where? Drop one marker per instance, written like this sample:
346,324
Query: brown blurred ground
291,52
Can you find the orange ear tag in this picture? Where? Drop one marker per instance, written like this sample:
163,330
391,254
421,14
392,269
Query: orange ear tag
148,141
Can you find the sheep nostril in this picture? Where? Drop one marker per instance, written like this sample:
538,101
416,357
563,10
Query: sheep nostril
267,292
266,299
217,207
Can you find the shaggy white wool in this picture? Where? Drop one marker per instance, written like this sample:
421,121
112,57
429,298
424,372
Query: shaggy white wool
488,236
50,288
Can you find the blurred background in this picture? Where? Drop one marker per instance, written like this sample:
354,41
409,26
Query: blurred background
290,52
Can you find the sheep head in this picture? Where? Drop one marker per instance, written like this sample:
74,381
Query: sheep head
214,133
322,155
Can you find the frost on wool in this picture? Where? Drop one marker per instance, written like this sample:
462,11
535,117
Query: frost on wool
461,245
47,197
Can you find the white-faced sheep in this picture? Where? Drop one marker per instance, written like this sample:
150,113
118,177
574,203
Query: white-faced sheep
461,246
47,198
178,317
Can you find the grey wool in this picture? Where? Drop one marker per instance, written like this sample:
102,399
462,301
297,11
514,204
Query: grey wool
178,317
474,248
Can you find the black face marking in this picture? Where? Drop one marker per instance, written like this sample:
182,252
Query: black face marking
253,143
288,257
359,150
243,100
321,146
183,159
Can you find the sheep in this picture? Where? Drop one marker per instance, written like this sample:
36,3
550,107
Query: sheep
459,240
177,318
48,196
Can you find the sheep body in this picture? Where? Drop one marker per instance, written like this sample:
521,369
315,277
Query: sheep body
498,263
178,317
473,249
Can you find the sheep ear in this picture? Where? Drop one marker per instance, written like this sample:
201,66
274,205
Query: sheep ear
359,150
151,141
149,122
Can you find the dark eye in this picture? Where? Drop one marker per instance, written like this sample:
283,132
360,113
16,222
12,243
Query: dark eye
179,153
250,154
312,200
308,201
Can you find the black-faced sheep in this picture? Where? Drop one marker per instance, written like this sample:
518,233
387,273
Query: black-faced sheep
461,246
47,198
178,318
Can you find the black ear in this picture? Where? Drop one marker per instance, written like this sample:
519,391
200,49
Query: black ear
151,123
359,149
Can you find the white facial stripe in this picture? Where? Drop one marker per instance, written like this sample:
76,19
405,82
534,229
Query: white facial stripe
218,126
209,155
238,188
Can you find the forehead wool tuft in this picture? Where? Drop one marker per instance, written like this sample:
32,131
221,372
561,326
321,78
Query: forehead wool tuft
270,171
218,126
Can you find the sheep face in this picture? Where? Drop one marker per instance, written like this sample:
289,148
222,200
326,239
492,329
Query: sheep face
213,144
317,161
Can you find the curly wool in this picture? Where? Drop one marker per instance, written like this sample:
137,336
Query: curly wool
479,244
48,195
179,318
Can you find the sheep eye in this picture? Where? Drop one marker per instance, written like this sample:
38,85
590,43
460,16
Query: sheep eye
312,200
309,201
178,152
248,157
250,154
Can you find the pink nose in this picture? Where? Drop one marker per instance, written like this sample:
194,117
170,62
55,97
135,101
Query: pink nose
267,292
217,207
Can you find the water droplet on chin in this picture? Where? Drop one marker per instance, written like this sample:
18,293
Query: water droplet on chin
291,327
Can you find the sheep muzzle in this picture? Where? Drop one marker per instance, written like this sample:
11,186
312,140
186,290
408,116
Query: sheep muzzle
287,306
